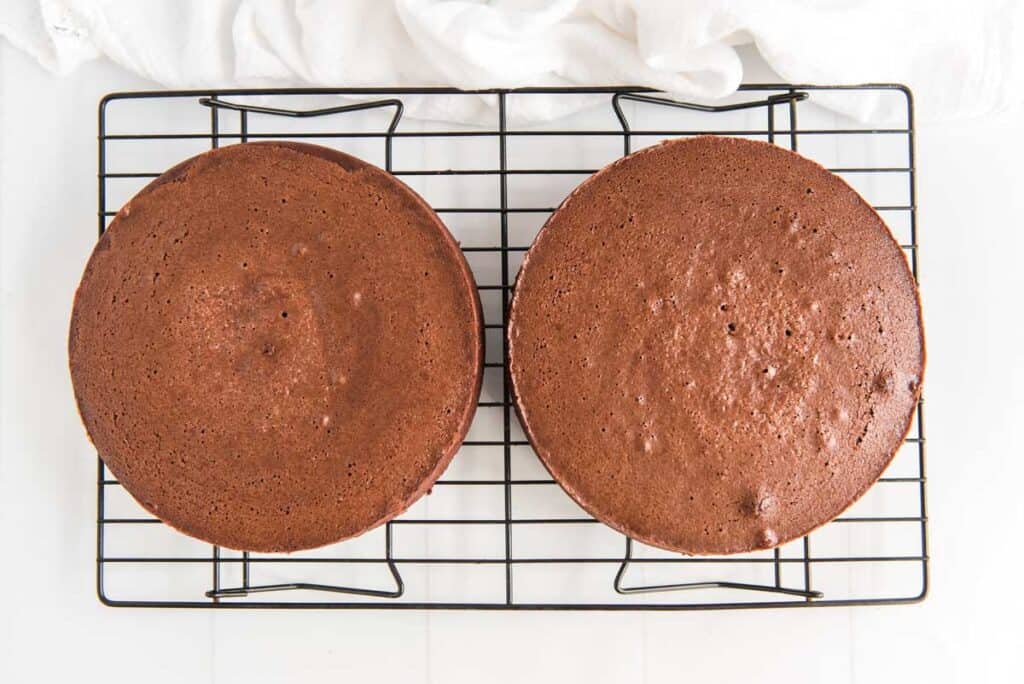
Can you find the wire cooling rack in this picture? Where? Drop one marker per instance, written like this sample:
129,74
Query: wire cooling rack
497,532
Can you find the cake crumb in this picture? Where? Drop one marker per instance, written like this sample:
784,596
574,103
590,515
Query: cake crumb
767,538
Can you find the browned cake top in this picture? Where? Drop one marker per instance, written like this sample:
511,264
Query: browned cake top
715,345
276,346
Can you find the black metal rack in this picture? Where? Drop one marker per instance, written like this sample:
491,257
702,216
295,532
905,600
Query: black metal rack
149,565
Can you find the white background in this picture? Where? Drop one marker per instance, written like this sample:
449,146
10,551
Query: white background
969,629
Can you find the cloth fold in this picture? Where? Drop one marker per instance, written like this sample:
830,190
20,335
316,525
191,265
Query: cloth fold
962,58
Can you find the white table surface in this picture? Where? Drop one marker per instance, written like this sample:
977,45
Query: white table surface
969,629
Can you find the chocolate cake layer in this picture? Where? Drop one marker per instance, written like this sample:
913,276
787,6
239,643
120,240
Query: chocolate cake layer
715,345
275,346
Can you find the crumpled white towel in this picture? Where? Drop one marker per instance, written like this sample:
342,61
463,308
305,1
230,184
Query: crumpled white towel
962,58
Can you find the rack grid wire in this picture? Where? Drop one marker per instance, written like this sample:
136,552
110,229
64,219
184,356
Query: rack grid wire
497,532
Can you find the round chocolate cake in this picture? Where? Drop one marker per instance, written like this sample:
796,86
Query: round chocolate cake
276,346
715,345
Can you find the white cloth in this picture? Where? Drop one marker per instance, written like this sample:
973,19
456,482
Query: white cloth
962,58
